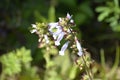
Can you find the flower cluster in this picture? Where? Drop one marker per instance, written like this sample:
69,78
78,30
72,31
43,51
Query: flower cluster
61,30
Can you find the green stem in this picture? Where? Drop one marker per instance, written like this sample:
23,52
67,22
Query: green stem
116,63
87,69
103,63
102,58
2,76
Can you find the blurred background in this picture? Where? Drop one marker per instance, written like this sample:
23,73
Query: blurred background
98,22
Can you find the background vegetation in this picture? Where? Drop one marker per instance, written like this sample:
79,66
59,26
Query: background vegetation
97,21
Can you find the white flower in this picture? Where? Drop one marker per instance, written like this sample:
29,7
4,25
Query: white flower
71,21
34,26
53,26
33,31
58,31
64,47
79,48
60,19
46,38
60,37
68,16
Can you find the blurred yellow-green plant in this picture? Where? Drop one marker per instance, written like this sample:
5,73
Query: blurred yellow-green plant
15,62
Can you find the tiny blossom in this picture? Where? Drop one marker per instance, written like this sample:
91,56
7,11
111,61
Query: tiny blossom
60,37
79,48
68,16
64,47
71,21
59,30
34,26
60,19
46,38
52,25
33,31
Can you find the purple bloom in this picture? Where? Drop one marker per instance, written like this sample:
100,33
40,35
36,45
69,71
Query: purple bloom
60,37
58,28
56,34
64,47
52,25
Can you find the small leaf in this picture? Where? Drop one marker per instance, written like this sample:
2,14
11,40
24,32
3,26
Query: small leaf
101,9
103,15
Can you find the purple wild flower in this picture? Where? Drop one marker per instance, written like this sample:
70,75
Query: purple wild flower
64,47
60,37
57,27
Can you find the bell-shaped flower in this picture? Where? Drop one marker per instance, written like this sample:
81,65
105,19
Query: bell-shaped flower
51,26
60,37
33,31
64,47
79,48
55,29
57,32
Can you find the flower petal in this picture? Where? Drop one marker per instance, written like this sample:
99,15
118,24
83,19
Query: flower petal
33,31
60,37
64,47
34,25
80,53
68,16
79,48
52,25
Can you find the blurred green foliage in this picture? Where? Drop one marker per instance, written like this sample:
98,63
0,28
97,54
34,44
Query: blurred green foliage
111,14
98,24
15,62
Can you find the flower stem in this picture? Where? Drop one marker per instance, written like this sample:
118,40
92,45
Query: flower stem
87,69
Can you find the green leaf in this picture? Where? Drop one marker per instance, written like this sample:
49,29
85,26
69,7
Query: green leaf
103,15
101,9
